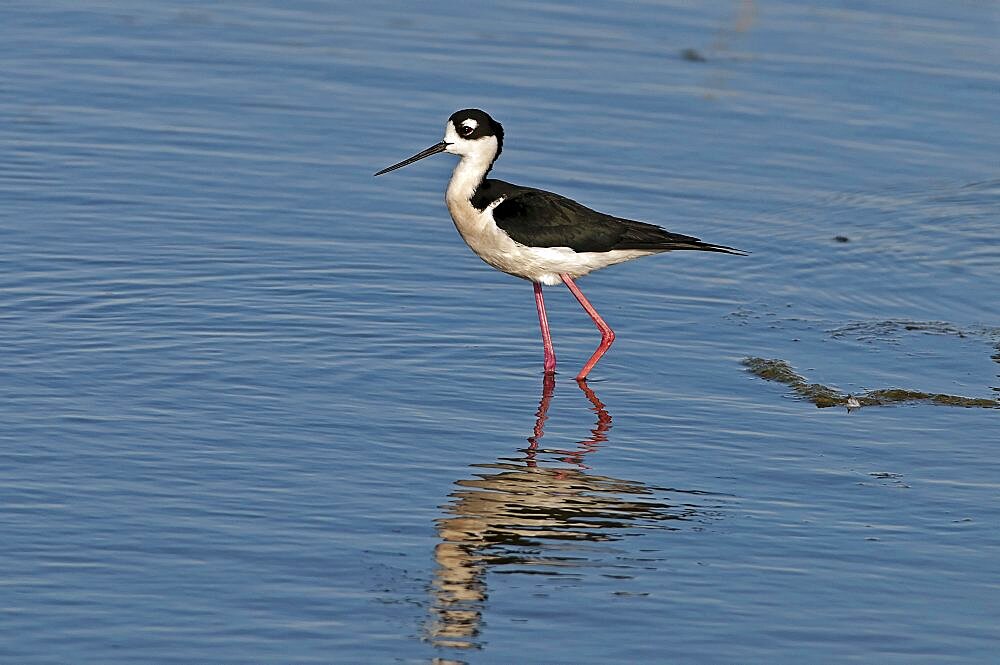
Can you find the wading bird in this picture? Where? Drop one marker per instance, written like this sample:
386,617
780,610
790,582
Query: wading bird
537,235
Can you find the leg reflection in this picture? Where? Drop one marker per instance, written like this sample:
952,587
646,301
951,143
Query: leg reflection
598,433
523,514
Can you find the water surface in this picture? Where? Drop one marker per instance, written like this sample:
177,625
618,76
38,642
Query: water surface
258,406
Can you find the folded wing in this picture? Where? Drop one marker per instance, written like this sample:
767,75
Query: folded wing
538,218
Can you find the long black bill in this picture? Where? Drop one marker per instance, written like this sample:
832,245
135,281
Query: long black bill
433,150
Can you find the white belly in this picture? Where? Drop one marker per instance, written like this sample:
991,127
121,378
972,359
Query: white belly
545,264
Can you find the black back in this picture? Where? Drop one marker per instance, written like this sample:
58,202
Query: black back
537,218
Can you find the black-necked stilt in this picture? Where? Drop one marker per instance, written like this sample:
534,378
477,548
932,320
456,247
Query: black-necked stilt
537,235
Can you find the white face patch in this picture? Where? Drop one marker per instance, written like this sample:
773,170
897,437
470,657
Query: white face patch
470,123
450,135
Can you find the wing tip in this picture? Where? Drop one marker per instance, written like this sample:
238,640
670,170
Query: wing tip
724,249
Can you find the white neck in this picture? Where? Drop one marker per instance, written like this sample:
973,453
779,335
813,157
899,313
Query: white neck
466,177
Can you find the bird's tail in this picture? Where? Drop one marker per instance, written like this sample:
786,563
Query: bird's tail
640,235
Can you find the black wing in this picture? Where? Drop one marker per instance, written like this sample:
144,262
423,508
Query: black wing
538,218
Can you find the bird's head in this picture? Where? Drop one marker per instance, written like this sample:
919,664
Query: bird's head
470,134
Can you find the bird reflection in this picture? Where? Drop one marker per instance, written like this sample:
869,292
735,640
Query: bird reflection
530,512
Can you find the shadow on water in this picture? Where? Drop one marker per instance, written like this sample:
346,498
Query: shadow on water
529,514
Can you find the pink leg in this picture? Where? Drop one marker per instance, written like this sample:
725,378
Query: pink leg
543,322
607,334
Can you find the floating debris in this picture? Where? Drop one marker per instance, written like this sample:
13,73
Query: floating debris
841,238
692,55
824,396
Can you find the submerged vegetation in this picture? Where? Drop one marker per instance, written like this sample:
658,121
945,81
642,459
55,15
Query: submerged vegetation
824,396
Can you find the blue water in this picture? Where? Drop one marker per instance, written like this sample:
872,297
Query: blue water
258,406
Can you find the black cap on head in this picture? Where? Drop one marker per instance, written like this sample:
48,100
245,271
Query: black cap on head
483,124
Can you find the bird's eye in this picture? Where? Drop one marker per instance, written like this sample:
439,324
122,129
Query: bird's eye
465,130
